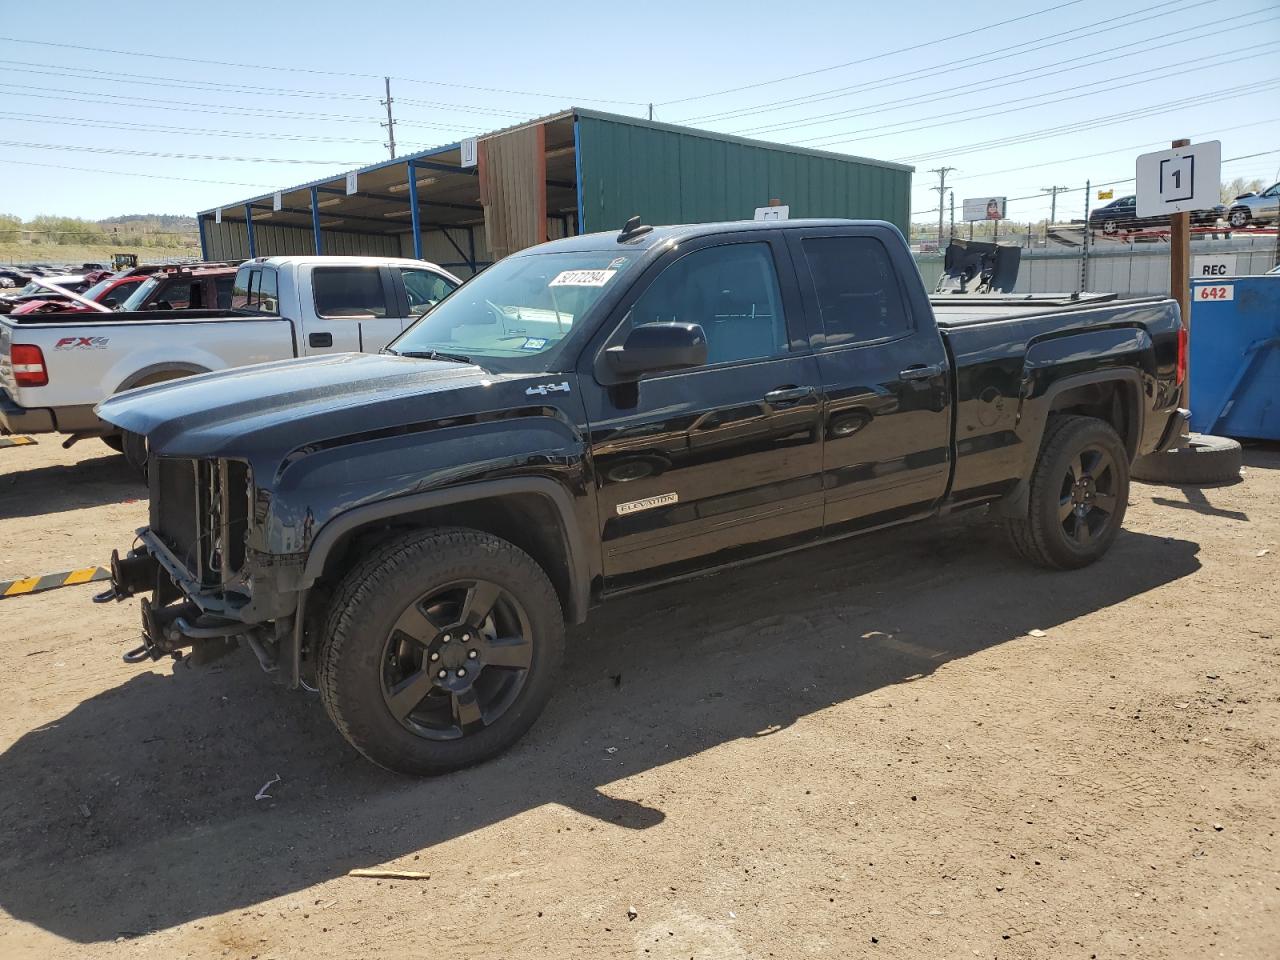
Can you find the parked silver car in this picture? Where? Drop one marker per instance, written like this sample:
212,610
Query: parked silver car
1262,207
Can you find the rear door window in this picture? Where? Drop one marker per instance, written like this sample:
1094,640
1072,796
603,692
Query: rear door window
857,290
349,292
253,289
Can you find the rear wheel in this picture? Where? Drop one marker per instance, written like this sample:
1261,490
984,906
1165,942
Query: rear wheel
1239,218
1079,492
442,649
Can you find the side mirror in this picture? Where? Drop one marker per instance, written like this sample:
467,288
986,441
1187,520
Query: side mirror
657,348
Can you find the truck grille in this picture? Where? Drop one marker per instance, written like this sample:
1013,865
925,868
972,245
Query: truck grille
200,511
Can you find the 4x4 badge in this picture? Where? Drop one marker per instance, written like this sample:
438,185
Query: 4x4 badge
542,389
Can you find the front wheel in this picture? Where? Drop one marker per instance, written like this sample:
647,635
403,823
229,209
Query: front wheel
1079,491
441,650
1238,218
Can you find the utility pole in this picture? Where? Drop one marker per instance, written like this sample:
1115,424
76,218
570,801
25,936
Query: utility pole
1053,207
651,111
942,189
1084,240
391,123
1180,275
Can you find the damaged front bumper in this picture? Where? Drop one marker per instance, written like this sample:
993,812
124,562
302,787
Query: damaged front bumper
183,614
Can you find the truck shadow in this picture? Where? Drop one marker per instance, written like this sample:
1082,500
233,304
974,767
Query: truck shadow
136,812
101,476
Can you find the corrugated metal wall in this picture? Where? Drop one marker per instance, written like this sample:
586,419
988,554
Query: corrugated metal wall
229,241
671,176
1133,272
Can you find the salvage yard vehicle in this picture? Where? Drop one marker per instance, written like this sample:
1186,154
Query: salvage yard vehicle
1258,208
55,367
72,282
409,532
1121,216
112,291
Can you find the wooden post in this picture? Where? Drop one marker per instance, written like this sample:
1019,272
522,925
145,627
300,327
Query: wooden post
1180,277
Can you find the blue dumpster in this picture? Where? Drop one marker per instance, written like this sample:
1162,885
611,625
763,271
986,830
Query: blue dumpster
1235,357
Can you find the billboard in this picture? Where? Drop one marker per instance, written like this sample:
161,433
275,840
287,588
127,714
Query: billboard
984,208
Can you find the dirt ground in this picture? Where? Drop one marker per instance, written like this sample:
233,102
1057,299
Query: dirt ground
907,746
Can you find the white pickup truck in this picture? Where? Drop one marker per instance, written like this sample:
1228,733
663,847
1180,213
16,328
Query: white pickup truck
54,368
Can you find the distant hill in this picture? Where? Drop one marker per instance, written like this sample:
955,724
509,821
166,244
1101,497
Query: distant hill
152,222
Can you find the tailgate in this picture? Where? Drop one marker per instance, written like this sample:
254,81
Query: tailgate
6,365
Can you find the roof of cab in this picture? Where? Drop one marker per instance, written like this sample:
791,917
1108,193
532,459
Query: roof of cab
609,240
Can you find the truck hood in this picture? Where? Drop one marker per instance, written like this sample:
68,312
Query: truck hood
276,407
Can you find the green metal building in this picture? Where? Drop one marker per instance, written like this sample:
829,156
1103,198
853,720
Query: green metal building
466,204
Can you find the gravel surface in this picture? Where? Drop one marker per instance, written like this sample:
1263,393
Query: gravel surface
909,745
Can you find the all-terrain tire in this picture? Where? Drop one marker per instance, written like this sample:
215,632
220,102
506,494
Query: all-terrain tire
1041,537
1204,459
367,604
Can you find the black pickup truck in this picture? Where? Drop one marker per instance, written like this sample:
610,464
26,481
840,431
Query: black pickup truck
409,532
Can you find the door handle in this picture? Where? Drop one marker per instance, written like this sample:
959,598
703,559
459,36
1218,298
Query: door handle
320,339
788,394
921,372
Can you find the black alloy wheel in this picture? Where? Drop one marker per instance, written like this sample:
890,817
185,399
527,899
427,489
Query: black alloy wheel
1087,500
456,659
441,648
1078,493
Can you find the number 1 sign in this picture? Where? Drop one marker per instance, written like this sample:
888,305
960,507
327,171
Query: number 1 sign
1179,180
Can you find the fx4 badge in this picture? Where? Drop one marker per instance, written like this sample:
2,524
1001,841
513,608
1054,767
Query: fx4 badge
82,343
542,389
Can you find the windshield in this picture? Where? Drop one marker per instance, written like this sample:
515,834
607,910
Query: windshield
97,290
44,291
518,311
139,296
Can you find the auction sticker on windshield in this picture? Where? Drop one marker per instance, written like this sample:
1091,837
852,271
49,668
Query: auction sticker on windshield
582,278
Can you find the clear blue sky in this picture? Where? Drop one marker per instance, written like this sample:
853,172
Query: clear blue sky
1210,67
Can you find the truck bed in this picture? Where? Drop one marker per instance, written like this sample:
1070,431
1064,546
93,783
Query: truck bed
960,310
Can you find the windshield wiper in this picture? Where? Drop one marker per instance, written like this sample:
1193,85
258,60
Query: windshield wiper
433,355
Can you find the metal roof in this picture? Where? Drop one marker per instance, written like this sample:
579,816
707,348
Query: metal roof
435,152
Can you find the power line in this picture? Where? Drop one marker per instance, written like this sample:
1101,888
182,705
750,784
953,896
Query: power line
122,151
1104,183
1072,94
89,122
950,66
135,173
148,79
878,56
1243,90
208,86
1137,146
230,110
1016,78
312,70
